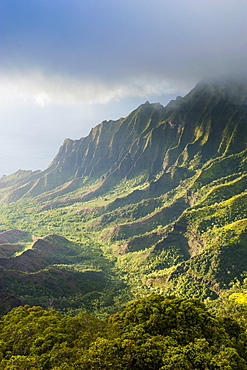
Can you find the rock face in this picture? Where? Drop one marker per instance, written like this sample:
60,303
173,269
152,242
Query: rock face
208,123
166,185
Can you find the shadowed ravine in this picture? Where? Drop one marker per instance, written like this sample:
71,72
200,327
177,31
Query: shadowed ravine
152,203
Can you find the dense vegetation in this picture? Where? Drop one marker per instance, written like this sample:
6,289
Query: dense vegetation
153,333
151,203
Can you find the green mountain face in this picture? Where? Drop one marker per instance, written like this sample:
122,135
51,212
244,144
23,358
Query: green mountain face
151,203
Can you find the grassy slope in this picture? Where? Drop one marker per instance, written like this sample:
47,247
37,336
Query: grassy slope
186,240
155,222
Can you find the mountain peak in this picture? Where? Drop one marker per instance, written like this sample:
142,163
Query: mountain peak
228,86
152,138
165,184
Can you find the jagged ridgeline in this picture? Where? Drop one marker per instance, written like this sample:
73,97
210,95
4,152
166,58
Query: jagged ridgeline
154,202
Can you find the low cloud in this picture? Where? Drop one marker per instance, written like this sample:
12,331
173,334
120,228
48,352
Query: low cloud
44,90
67,65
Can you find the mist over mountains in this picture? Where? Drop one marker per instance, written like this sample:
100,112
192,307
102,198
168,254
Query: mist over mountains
153,202
123,146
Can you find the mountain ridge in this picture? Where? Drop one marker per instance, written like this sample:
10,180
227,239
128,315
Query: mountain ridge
100,154
161,194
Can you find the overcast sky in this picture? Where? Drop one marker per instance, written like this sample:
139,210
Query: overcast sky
67,65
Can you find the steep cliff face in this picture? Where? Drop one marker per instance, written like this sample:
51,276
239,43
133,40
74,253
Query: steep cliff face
163,190
209,122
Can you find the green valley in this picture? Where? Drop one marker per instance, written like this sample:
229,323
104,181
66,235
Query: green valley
152,203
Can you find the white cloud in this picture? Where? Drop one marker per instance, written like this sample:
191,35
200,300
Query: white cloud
66,65
45,90
42,99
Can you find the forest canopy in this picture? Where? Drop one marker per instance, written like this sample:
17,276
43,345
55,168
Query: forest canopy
155,332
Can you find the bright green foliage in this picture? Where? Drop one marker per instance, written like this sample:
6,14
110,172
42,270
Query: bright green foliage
240,298
155,202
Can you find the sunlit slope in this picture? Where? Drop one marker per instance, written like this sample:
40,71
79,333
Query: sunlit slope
161,194
208,123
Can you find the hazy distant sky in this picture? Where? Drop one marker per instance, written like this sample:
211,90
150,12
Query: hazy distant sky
67,65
